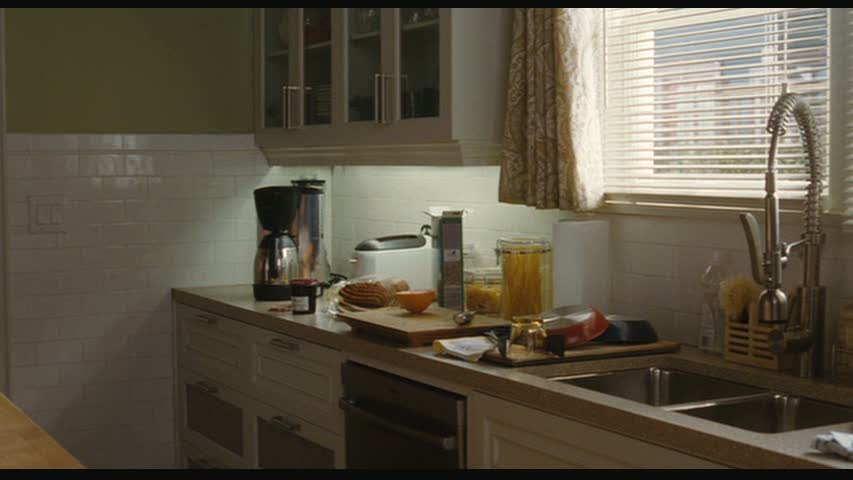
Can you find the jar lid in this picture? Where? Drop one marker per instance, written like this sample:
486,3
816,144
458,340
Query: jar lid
484,274
524,244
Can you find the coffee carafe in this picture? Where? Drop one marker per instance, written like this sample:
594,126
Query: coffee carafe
277,259
308,228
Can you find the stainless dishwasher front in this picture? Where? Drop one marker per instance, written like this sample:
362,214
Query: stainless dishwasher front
393,422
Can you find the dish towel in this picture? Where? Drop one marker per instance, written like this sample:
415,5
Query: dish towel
838,443
466,348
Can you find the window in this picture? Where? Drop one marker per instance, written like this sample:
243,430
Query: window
688,92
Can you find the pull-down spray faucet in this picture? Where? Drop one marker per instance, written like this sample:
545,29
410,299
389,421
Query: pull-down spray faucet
804,325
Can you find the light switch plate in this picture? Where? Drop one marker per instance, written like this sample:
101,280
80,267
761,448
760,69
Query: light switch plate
47,213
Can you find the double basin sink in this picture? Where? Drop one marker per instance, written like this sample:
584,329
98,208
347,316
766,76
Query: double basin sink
735,404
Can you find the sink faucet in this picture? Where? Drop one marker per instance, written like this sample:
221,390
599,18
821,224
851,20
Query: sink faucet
803,323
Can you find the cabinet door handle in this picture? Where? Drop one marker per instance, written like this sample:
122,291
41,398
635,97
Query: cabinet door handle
284,344
385,101
350,407
207,387
285,425
206,319
377,98
203,463
285,108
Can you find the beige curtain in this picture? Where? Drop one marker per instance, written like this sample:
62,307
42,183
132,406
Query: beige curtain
552,143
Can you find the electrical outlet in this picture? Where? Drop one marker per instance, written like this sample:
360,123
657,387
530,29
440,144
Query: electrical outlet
47,213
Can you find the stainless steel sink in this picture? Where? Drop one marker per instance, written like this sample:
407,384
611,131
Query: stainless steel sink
771,413
660,386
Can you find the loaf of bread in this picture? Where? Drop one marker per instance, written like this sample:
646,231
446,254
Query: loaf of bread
367,294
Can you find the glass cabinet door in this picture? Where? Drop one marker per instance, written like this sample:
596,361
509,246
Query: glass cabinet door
317,65
419,62
364,63
277,54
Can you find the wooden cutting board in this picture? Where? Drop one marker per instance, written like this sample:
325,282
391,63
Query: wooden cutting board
520,357
415,329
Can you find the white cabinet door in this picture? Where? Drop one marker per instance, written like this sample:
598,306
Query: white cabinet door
284,440
503,434
212,345
296,376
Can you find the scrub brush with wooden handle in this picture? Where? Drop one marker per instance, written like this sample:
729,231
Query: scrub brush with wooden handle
736,293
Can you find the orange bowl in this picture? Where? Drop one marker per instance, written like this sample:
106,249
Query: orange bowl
416,301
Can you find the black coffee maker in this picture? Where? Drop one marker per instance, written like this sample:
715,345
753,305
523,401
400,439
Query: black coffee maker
277,259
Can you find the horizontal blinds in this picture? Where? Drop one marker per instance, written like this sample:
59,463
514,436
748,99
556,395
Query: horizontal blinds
846,117
688,92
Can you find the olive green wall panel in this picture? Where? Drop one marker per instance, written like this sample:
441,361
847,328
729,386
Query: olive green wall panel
157,70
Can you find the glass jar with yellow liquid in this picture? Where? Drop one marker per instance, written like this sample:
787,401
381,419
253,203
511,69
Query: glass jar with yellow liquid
527,279
483,290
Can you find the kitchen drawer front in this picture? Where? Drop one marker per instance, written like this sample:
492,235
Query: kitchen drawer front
507,435
213,345
283,440
196,458
214,418
296,375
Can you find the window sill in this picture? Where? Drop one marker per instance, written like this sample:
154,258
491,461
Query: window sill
706,208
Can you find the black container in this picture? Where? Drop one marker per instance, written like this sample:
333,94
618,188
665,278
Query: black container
304,293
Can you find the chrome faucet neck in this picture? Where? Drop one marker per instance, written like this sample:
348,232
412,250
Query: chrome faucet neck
803,320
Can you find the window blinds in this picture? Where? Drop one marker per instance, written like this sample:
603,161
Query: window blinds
844,127
688,92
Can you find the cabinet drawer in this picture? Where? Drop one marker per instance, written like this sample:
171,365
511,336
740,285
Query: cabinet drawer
283,440
212,345
213,417
297,375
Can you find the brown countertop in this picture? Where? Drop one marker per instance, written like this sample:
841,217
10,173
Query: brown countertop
528,386
24,445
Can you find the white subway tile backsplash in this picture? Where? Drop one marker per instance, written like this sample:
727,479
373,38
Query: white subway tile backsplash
34,376
53,142
125,188
65,351
138,164
193,164
171,187
102,165
103,142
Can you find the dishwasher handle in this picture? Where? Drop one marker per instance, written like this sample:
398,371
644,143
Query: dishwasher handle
445,443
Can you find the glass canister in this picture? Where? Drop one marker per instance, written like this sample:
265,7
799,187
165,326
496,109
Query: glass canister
527,282
483,289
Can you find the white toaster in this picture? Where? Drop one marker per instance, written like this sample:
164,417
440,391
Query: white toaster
410,257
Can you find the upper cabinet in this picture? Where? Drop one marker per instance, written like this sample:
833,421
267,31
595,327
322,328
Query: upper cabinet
381,85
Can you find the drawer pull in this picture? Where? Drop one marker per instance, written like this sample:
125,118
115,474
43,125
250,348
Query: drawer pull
279,422
202,463
206,319
206,387
284,344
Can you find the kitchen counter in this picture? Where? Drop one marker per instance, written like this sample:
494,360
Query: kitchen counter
528,386
24,445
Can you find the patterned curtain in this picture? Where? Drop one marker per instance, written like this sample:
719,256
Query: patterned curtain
552,142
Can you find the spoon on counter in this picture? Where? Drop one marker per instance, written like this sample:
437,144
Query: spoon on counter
464,318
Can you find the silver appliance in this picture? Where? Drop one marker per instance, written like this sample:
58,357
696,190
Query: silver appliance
277,259
308,230
393,422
